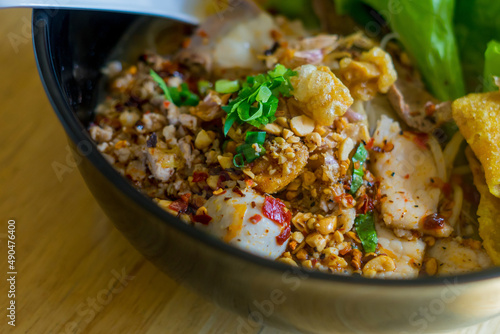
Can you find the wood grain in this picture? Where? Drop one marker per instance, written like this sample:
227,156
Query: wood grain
68,252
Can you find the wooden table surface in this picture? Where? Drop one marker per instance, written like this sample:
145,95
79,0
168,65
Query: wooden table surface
68,254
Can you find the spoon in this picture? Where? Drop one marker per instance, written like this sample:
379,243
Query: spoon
188,11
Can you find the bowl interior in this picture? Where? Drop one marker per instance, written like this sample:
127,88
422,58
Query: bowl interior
72,47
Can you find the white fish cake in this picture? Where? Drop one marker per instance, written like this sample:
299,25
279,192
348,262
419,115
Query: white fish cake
231,222
407,254
454,256
406,172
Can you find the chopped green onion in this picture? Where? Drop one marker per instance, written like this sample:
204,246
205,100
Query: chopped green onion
251,154
159,80
248,113
240,148
248,153
204,86
239,161
278,71
226,86
255,137
357,173
365,227
263,94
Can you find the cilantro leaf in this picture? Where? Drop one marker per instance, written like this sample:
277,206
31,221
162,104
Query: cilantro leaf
159,80
180,96
258,97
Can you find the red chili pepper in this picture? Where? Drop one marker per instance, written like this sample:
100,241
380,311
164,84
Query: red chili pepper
249,182
365,205
275,210
166,104
199,176
255,219
202,219
178,205
369,145
284,235
185,198
349,200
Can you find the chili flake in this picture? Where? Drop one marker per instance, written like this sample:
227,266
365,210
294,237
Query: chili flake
276,210
255,219
178,205
284,235
199,176
369,145
202,219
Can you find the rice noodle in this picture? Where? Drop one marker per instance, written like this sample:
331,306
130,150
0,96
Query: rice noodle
467,215
439,158
458,197
359,108
451,150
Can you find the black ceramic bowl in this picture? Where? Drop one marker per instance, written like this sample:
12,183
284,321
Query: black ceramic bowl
71,47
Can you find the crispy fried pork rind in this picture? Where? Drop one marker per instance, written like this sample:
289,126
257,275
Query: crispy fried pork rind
488,211
321,94
478,118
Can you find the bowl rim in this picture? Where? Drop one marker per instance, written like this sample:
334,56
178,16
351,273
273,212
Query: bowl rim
77,133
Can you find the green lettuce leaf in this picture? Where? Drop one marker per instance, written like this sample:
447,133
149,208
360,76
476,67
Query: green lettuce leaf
476,23
491,65
425,29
